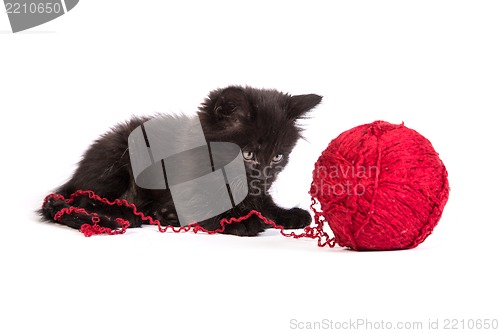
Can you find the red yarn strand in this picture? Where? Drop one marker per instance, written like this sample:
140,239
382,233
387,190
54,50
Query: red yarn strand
314,232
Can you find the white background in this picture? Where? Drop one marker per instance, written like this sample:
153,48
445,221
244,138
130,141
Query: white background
432,64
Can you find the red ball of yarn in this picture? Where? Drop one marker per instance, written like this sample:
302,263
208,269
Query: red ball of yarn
381,187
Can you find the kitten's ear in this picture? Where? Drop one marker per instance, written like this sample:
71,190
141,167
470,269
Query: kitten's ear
231,101
301,104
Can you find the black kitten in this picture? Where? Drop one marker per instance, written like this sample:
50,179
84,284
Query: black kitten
262,122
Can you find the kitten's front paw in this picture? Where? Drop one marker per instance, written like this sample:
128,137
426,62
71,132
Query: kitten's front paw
167,216
251,227
295,218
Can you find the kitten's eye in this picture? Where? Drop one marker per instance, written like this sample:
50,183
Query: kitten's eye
248,155
277,158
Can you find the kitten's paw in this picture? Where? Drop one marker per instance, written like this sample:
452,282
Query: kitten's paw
167,217
295,218
51,206
251,227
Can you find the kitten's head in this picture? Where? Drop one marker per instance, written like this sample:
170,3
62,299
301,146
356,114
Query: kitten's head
262,122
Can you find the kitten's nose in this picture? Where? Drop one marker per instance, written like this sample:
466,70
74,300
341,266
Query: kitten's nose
255,173
259,175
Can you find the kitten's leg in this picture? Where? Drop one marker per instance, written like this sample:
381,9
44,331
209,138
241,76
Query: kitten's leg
295,218
249,227
76,220
167,215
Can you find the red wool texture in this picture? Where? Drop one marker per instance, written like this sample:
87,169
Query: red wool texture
380,186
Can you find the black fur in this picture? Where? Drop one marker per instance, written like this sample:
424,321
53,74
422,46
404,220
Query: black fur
262,122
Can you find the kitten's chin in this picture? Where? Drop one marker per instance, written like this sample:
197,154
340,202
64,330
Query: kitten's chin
258,188
258,192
